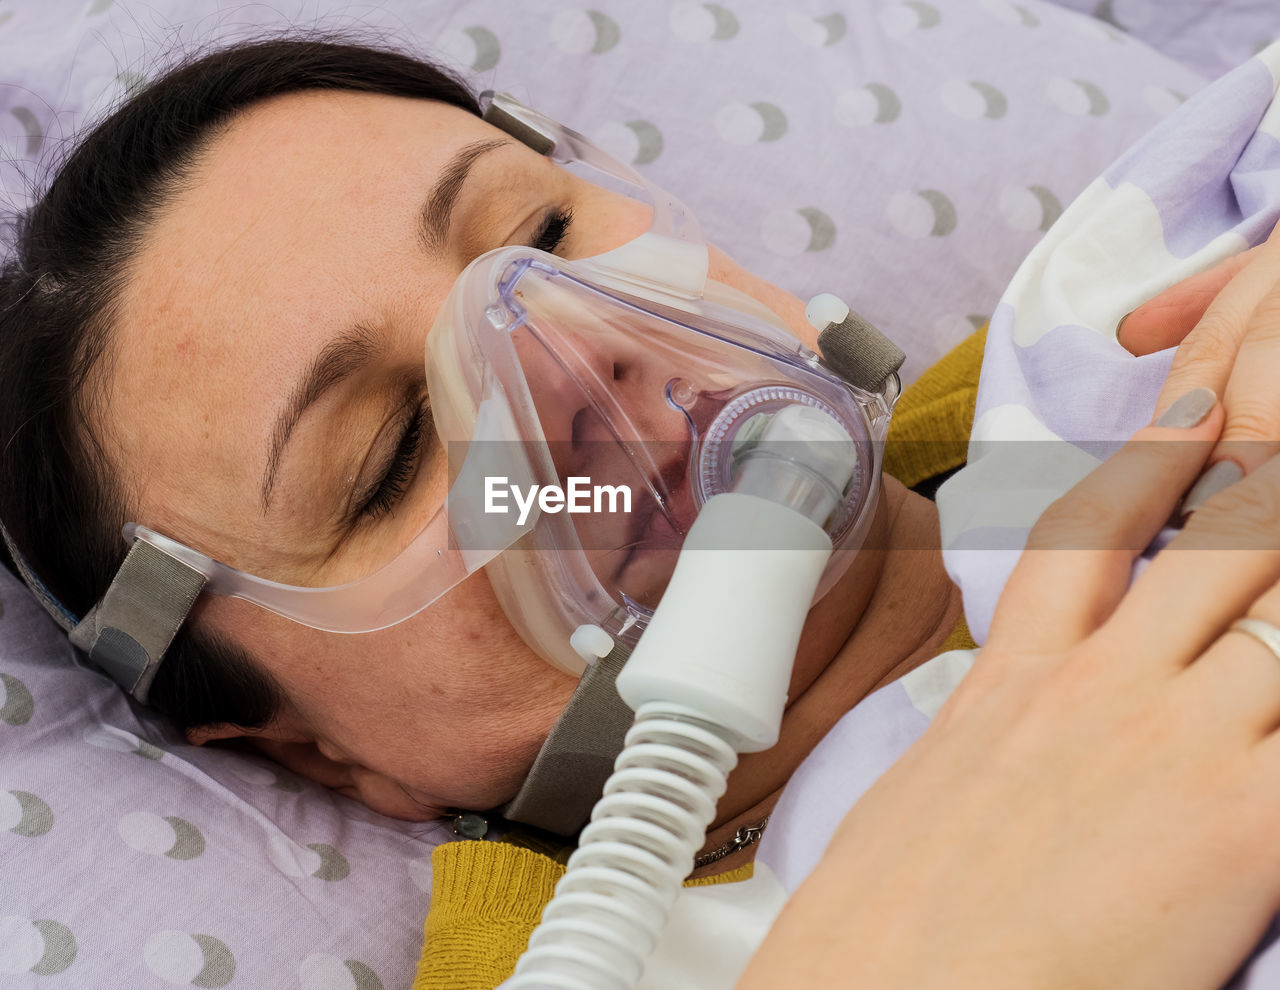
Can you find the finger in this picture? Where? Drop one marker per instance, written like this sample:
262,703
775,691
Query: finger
1226,556
1237,680
1166,319
1252,432
1206,357
1080,553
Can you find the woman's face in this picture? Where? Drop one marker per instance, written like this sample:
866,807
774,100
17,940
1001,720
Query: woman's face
263,394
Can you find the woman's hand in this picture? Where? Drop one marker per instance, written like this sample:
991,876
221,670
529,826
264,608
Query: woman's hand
1221,348
1097,804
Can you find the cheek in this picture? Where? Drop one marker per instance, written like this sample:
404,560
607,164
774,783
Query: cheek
450,704
609,220
475,707
603,219
788,308
501,698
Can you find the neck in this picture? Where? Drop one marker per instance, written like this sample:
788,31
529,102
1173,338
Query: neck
889,615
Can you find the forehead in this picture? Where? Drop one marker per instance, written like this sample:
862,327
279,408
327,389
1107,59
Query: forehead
283,181
299,220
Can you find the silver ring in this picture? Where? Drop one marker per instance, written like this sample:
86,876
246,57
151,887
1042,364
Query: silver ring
1264,632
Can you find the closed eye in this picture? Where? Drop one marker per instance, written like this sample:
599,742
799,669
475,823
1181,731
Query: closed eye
386,493
552,231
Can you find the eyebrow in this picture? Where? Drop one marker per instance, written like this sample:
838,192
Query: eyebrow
437,212
341,358
345,355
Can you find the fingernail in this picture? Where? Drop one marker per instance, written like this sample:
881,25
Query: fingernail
1190,410
1120,325
1221,475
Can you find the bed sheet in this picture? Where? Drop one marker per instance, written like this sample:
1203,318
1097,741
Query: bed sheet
1209,36
906,155
852,146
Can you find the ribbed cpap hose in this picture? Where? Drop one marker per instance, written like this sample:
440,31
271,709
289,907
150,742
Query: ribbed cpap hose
708,680
632,858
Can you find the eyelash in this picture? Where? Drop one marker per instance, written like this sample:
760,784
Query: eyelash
399,473
551,232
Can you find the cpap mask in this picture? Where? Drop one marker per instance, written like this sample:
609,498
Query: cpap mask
589,409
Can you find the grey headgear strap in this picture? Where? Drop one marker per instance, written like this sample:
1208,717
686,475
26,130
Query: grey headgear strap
859,353
577,758
44,596
525,133
126,634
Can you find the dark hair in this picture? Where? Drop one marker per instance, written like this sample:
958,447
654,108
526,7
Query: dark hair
59,499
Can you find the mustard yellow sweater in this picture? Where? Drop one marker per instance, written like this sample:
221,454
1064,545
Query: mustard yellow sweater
487,897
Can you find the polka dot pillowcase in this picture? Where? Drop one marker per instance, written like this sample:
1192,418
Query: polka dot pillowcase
905,155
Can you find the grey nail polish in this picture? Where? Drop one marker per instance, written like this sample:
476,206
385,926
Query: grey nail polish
1220,476
1190,410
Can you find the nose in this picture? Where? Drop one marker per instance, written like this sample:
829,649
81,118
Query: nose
597,388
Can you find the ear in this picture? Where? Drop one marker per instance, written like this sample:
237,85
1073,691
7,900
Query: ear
279,730
217,732
291,749
306,760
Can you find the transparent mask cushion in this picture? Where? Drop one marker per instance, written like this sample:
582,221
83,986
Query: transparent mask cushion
619,397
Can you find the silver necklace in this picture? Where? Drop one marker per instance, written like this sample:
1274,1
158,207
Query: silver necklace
746,836
469,825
